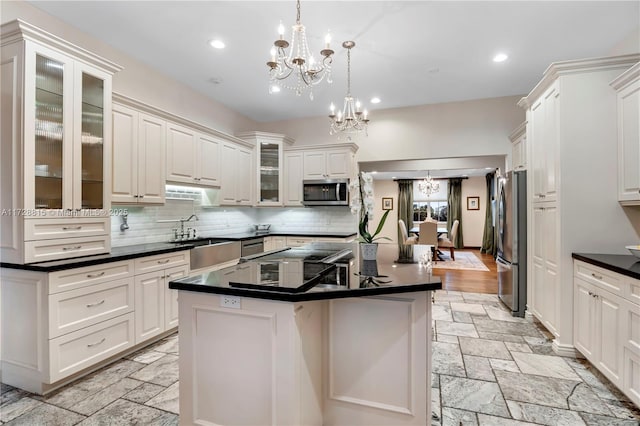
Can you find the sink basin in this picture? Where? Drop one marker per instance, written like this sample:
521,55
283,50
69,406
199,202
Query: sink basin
211,252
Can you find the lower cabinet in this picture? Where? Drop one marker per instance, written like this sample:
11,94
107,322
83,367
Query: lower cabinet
74,319
607,325
156,305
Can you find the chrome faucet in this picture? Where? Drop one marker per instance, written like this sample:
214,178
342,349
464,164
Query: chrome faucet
124,225
179,235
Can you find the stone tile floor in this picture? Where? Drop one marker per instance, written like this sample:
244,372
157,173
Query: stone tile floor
488,369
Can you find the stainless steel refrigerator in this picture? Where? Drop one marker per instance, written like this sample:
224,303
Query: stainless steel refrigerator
512,241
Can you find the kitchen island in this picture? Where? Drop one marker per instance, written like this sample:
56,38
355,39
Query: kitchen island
307,336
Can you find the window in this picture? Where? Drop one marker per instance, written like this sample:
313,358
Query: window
434,206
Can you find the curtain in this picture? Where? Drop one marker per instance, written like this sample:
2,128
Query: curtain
488,245
454,201
405,212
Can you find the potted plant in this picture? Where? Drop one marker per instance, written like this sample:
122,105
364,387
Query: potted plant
362,202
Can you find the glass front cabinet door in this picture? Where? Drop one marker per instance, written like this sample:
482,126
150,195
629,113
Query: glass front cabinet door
269,162
69,132
55,149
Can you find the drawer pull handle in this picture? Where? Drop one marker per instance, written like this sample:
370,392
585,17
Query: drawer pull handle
71,248
91,305
95,275
72,228
90,345
162,262
597,277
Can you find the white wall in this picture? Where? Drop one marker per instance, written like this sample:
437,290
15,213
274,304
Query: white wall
456,129
386,189
137,80
473,220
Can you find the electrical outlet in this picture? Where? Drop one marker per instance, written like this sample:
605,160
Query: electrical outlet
230,302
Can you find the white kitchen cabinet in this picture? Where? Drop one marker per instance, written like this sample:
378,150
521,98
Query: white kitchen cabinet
328,164
607,325
236,174
627,86
155,303
139,157
56,133
270,167
192,157
298,241
544,265
545,134
572,107
69,320
519,147
293,177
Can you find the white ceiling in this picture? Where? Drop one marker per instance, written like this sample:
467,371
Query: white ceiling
407,52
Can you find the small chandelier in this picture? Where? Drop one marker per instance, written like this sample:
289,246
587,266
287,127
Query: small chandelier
351,119
299,63
428,186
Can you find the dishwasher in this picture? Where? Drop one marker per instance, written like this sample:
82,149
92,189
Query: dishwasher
252,246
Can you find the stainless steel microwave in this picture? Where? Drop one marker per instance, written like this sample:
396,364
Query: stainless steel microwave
325,192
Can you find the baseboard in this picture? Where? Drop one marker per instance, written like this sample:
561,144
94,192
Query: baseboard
528,316
564,350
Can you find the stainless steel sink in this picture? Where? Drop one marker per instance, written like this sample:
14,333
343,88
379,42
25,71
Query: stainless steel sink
211,252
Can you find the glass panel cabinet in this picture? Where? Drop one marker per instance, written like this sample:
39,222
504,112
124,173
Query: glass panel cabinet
269,165
55,148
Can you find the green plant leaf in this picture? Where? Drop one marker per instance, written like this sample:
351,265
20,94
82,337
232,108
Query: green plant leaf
381,224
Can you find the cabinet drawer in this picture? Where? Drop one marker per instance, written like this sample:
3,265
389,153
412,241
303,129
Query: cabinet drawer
632,291
89,275
298,241
44,250
161,261
72,310
83,348
48,229
602,278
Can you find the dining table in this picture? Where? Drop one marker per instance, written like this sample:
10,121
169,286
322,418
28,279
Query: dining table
440,230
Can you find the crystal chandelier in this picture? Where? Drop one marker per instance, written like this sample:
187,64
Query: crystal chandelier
428,186
299,63
352,119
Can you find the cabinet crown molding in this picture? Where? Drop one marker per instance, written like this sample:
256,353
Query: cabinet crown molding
352,146
141,106
558,69
265,135
519,131
626,77
18,29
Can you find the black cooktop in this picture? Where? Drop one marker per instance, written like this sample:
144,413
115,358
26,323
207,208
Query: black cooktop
292,270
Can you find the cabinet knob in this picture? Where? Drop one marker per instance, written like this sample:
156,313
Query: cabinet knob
597,277
141,196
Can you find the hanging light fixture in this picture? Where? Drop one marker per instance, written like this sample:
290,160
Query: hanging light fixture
299,63
352,119
428,186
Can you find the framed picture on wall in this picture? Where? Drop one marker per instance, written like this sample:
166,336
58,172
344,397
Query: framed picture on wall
387,203
473,203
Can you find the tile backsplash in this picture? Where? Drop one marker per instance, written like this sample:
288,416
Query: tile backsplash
144,225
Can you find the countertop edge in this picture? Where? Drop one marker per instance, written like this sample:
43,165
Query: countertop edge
584,257
82,262
307,297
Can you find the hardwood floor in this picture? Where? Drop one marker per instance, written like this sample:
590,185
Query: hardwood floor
473,281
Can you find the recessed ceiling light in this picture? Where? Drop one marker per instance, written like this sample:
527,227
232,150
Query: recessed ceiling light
500,57
217,44
375,100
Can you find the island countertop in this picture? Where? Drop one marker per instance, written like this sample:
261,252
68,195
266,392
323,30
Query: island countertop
364,278
624,264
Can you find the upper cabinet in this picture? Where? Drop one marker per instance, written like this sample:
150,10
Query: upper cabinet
627,86
328,164
315,162
269,166
519,147
543,118
236,174
56,140
193,157
139,143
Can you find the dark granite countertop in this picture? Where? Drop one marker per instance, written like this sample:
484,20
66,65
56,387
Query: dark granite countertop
365,278
141,250
624,264
117,254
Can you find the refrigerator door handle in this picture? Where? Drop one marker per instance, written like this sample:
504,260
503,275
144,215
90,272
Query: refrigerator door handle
503,262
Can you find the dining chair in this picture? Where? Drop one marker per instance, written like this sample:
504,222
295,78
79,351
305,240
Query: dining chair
406,239
449,243
428,236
